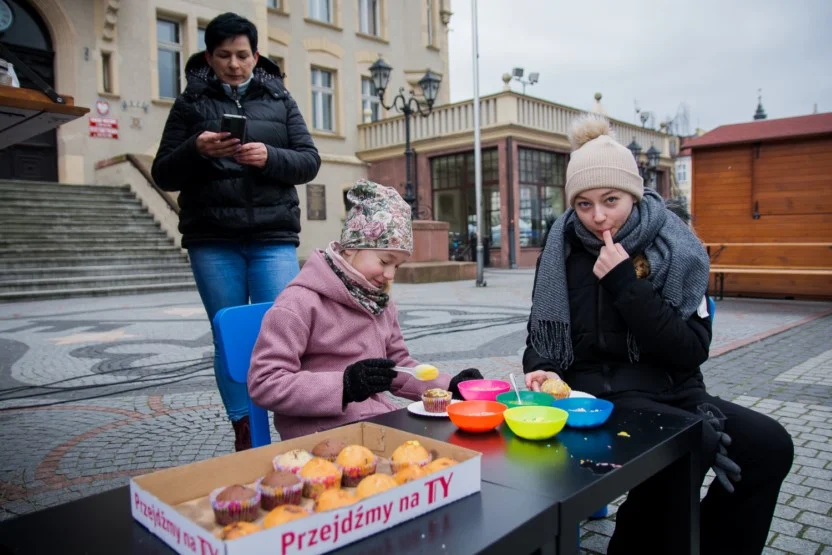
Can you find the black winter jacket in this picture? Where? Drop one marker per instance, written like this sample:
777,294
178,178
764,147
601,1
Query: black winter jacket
671,349
219,199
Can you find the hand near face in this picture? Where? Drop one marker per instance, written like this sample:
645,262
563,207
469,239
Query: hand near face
252,154
611,255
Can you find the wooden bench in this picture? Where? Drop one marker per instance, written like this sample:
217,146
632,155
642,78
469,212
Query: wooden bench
719,270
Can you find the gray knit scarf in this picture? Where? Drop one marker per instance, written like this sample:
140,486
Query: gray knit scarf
678,271
373,301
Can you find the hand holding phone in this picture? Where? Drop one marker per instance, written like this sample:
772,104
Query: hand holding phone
217,145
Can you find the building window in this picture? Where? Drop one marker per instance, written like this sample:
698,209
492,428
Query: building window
681,173
369,100
106,72
323,100
273,4
542,177
169,45
200,39
454,198
321,10
430,21
369,17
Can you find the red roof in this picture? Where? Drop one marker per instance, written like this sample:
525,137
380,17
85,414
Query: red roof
764,130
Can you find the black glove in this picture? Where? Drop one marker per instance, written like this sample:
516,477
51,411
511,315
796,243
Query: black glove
464,376
725,469
367,377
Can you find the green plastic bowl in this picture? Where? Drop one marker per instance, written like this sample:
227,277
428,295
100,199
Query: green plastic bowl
529,398
535,422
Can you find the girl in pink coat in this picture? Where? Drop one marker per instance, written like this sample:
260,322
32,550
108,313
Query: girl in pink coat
326,350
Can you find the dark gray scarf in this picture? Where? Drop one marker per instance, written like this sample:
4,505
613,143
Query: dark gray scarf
678,271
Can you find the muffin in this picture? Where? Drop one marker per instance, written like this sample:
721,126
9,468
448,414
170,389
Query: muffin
407,454
409,473
279,487
334,499
237,530
284,514
328,449
439,464
234,503
436,400
319,475
357,462
374,484
556,388
292,461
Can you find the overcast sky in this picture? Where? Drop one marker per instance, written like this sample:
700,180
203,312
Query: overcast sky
711,55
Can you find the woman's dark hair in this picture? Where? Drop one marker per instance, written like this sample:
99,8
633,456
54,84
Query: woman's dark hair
227,26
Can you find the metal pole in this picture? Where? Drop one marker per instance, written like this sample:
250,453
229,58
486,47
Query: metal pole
477,152
413,199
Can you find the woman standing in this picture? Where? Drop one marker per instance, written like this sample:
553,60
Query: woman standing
239,213
619,310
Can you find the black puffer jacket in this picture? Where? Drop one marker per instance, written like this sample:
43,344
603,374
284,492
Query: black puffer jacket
221,200
671,349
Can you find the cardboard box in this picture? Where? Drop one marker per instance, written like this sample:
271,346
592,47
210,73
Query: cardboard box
162,500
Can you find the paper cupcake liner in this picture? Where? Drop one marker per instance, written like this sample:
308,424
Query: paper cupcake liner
226,512
436,404
313,487
271,496
395,467
354,474
293,468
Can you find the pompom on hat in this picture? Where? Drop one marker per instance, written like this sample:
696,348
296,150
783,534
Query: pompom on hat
599,161
378,219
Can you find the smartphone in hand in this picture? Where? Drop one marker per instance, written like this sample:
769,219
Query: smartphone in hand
234,124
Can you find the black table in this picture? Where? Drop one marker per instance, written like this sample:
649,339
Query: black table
565,468
497,520
534,494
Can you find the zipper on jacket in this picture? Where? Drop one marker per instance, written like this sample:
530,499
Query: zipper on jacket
236,100
249,192
602,344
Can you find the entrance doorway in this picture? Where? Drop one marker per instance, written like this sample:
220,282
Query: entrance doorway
35,159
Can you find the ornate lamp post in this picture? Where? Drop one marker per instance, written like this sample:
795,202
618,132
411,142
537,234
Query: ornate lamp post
380,72
647,168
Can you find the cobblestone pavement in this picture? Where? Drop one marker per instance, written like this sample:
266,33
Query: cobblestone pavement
94,391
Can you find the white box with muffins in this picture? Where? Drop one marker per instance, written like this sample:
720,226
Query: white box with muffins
174,504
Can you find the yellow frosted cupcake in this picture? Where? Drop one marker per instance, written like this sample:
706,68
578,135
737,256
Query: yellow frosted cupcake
409,473
439,464
374,484
334,499
284,514
319,475
407,454
237,530
357,462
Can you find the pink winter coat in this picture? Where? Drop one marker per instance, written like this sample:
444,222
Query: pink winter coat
312,333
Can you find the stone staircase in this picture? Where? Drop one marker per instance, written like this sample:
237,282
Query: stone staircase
60,241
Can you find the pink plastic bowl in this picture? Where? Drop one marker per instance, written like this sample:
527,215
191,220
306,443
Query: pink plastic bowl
482,390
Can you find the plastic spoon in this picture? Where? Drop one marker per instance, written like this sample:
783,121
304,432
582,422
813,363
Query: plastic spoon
516,391
422,372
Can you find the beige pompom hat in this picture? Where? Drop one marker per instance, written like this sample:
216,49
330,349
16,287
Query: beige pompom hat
599,161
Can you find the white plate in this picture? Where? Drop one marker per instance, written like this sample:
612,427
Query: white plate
580,394
419,408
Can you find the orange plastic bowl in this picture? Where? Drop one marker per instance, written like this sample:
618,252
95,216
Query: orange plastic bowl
476,416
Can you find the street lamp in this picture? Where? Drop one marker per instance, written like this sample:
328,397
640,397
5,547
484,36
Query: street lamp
429,83
647,168
517,74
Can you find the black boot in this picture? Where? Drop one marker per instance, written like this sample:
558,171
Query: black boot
242,434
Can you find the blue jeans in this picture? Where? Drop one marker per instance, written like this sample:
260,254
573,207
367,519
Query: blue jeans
234,274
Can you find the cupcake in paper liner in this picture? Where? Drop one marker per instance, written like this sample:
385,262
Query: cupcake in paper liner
436,400
319,475
279,488
328,449
292,461
409,453
357,463
234,504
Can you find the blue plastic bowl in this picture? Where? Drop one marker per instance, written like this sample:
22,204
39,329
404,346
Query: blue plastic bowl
585,413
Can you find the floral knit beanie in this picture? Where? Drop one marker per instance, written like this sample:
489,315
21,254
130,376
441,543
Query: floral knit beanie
378,219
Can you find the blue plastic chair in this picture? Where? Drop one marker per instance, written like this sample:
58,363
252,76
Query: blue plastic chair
236,329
